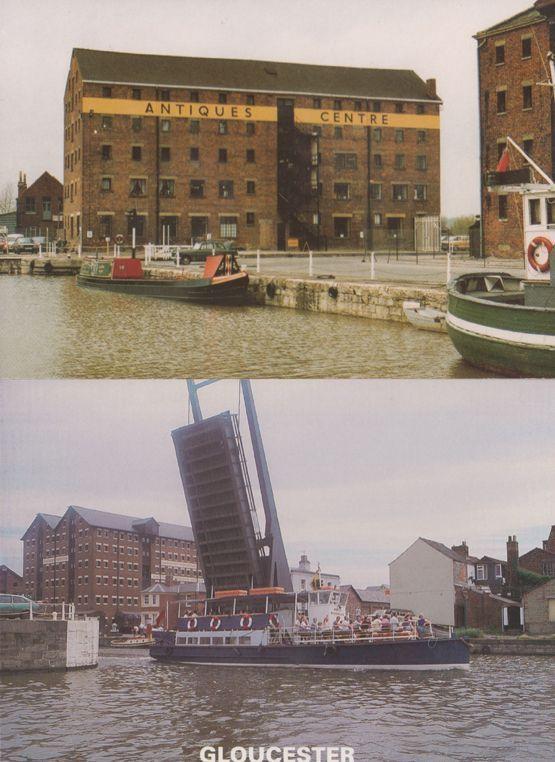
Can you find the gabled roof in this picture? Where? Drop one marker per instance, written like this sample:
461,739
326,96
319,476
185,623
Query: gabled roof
490,560
522,19
373,594
122,523
44,174
445,550
51,520
244,75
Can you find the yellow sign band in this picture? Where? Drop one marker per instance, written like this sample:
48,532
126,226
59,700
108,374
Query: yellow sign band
177,110
366,119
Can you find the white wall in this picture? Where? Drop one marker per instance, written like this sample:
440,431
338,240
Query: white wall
82,643
421,579
297,578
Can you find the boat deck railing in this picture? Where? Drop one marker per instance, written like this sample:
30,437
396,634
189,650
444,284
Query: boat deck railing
298,636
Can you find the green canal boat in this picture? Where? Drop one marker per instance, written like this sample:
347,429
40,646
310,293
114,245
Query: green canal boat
504,323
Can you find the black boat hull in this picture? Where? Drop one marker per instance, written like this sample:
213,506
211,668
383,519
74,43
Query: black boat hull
198,291
427,654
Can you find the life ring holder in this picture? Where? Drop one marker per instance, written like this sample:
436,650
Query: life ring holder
215,623
246,622
273,621
535,243
119,239
192,624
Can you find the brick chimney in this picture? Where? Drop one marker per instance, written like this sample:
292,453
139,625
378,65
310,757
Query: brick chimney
461,549
22,183
512,566
431,87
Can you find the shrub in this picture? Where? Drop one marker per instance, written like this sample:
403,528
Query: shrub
468,632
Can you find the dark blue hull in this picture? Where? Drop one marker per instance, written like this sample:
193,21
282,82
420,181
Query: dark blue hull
413,654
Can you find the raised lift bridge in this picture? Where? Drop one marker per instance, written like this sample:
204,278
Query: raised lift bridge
233,552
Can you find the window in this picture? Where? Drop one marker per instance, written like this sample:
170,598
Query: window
194,126
501,101
251,187
399,108
376,191
222,97
420,192
250,219
106,92
316,103
528,146
194,154
341,191
500,54
228,227
250,155
167,188
358,105
164,95
498,571
377,134
196,188
399,192
165,125
527,96
105,224
550,209
250,128
481,573
378,163
399,161
421,162
526,47
225,189
164,153
222,155
107,122
338,132
376,106
30,207
534,211
106,152
341,227
421,136
345,161
250,100
193,96
137,123
136,93
337,105
503,207
222,127
137,222
420,108
399,136
137,186
136,153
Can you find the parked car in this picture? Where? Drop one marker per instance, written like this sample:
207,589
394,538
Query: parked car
8,242
203,249
25,246
39,241
458,242
17,605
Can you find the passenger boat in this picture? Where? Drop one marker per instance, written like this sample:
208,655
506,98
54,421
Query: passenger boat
223,281
259,629
503,323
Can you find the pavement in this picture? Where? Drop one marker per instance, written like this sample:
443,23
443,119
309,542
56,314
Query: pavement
428,271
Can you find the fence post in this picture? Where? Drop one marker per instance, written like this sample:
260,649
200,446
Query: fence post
310,269
449,262
372,265
30,609
63,611
258,260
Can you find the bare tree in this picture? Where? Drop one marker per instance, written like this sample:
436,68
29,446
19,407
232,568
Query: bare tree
7,198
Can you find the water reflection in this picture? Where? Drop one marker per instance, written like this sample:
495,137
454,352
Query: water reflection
53,329
131,706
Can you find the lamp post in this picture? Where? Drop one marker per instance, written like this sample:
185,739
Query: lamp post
132,214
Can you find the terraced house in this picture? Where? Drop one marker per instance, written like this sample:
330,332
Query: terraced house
267,154
101,561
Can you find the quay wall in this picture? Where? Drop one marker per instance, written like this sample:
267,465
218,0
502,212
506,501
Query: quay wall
47,644
376,301
512,646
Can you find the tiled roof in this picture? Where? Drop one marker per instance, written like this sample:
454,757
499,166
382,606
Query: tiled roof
254,76
373,594
50,519
524,18
445,550
122,523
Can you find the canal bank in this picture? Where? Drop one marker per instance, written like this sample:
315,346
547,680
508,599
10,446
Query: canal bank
505,646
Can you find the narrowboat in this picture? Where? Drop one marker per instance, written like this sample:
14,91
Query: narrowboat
504,323
262,629
223,281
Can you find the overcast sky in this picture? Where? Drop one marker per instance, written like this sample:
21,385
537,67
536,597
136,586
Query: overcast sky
433,37
360,468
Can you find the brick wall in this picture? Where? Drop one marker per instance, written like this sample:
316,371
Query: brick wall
39,207
27,645
536,609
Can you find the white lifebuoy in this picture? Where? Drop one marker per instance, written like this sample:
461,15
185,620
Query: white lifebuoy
119,239
535,243
215,623
192,623
273,621
246,622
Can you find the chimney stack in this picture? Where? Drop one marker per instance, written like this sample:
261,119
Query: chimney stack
461,549
512,566
431,88
22,183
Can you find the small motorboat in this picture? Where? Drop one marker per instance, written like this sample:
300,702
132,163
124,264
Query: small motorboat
132,642
425,318
223,280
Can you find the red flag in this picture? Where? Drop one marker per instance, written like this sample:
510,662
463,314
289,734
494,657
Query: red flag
503,164
160,618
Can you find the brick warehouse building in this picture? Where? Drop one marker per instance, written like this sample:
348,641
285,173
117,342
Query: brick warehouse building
512,62
101,561
246,150
39,206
